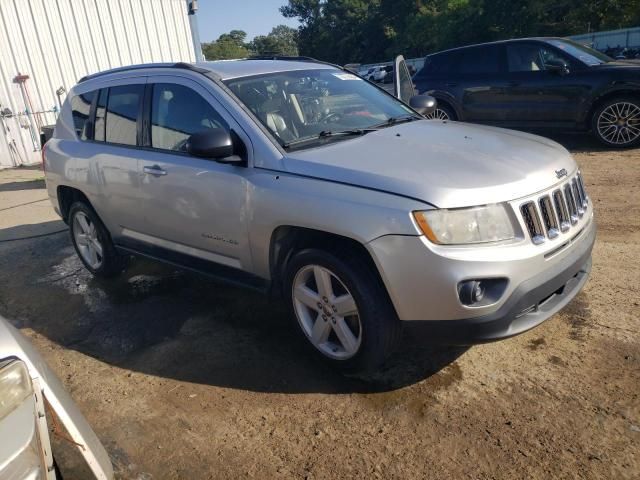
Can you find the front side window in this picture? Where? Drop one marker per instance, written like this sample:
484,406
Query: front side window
304,104
122,112
177,112
80,111
581,52
529,57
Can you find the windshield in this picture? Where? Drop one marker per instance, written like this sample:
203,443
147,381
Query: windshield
581,52
313,104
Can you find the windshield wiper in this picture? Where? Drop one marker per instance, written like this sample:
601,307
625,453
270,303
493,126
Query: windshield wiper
328,133
396,120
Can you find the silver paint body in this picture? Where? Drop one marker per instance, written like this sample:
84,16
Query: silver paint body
363,188
18,429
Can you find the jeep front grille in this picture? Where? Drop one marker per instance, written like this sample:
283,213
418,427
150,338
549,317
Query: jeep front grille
532,220
553,213
549,217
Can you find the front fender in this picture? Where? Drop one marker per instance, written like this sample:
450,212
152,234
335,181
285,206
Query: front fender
361,214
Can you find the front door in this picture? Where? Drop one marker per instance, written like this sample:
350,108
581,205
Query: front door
193,206
543,85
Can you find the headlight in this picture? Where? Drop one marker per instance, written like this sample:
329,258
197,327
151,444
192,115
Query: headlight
489,223
15,387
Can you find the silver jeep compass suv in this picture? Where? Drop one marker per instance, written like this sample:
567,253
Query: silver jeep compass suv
302,179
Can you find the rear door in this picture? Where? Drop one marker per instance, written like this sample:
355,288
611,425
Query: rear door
477,80
193,206
115,151
403,87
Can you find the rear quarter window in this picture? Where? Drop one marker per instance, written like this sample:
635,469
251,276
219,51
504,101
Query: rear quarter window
80,111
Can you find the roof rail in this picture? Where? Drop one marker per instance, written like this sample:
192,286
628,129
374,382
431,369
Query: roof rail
142,66
292,58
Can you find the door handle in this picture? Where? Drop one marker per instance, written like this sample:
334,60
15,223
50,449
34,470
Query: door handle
155,170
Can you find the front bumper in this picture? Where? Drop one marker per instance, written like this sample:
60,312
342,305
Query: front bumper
422,280
533,302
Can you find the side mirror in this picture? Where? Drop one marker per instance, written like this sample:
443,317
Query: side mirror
215,143
557,66
423,104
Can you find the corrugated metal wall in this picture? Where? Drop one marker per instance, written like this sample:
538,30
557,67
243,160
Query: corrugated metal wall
56,42
628,37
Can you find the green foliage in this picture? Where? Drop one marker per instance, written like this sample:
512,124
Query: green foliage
229,45
345,31
282,40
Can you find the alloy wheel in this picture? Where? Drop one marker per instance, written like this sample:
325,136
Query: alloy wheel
87,241
327,312
438,114
619,123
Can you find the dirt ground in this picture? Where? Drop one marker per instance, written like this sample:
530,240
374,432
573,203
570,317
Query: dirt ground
181,377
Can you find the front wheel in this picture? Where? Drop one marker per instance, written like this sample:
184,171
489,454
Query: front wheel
616,123
341,309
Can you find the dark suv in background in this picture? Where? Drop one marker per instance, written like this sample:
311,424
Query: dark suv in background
537,83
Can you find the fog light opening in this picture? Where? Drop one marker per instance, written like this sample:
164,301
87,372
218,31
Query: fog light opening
481,292
471,292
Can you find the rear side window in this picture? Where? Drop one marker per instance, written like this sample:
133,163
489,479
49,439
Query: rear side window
81,110
479,60
177,112
436,65
123,106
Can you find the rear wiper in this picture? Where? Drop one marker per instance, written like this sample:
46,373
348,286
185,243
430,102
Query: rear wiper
329,133
396,120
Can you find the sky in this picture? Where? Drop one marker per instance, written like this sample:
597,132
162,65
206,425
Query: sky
256,17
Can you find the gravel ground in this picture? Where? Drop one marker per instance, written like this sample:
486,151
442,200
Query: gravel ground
185,378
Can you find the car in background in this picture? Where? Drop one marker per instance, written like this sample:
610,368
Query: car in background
383,73
27,386
532,83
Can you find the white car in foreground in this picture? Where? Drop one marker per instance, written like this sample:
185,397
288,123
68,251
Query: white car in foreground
26,383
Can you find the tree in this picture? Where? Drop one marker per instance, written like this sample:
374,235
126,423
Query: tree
227,46
282,40
346,31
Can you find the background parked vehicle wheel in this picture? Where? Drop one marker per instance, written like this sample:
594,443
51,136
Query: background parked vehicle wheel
341,309
93,243
616,123
442,112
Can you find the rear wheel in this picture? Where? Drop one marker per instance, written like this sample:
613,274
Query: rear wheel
341,309
616,123
93,243
442,112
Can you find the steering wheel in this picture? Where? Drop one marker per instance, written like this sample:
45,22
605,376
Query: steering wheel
331,117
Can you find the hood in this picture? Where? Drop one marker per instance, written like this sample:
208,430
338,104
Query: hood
627,64
446,164
14,344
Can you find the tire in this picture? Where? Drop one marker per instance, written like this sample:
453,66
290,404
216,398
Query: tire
375,327
443,112
88,234
616,123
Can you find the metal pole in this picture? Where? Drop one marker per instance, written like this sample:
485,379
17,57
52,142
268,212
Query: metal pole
192,9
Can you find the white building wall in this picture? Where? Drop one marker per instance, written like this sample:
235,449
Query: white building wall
57,42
